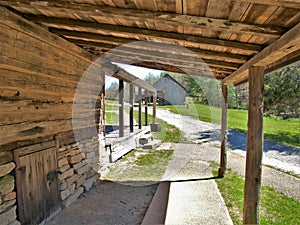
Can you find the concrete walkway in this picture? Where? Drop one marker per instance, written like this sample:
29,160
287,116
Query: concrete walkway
193,196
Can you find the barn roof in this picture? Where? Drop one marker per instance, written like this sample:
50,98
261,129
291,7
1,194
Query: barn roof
168,76
229,35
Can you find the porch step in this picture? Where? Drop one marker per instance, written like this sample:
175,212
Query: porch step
146,138
119,150
152,144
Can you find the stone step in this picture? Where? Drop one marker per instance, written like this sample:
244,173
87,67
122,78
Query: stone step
146,138
152,144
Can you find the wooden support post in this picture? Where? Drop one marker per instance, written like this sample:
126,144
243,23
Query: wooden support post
146,108
223,159
140,107
154,108
131,107
254,146
121,108
103,106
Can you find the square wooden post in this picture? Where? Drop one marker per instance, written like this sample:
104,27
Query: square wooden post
131,107
103,105
154,108
121,108
254,146
140,107
223,158
146,108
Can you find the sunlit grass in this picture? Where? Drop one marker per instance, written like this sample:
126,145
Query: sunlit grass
275,207
168,132
275,128
141,166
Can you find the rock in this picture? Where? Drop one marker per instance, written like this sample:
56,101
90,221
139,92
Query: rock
80,180
7,184
89,155
65,193
72,179
74,152
75,159
64,168
6,205
63,185
66,174
80,164
9,196
6,168
8,216
73,197
146,138
90,173
16,222
93,160
62,162
62,149
82,170
88,184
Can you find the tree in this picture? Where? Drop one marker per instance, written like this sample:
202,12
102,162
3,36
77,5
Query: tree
282,92
113,91
151,78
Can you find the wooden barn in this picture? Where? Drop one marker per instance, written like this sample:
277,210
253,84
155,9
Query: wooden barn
169,91
54,56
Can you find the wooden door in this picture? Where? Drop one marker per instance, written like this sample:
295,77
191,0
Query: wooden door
39,186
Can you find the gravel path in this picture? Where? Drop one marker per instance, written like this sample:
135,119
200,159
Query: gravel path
275,154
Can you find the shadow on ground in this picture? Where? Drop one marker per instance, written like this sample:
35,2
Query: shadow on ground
108,203
238,140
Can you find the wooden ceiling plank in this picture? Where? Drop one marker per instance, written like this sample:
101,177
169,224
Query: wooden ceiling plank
285,45
111,42
238,11
102,14
282,3
159,35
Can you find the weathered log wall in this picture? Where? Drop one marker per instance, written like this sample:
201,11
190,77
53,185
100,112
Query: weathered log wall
39,77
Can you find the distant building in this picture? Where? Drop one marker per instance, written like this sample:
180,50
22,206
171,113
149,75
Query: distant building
169,91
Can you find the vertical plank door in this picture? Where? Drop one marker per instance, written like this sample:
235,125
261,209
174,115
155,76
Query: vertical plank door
39,185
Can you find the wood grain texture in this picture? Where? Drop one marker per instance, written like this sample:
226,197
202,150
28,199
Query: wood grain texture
40,73
254,146
223,158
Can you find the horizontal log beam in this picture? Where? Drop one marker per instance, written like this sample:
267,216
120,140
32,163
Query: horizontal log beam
15,22
283,46
140,52
140,33
25,131
287,60
102,13
161,48
282,3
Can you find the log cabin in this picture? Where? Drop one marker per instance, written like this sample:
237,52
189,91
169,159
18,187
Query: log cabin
55,55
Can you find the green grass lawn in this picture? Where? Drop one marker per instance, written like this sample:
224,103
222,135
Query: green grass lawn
111,118
275,128
140,166
168,133
110,108
275,207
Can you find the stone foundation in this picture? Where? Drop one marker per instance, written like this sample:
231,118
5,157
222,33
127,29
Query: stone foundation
8,204
78,167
